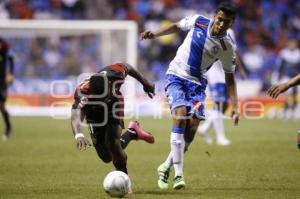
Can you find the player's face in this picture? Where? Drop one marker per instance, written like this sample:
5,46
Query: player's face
221,23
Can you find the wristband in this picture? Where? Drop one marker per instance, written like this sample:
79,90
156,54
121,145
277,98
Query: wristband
79,135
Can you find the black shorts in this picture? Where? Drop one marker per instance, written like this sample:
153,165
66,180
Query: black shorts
101,135
100,114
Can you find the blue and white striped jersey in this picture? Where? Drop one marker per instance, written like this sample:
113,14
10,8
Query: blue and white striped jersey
216,73
200,50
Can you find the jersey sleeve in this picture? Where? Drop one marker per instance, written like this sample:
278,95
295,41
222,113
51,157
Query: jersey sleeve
79,102
80,99
120,69
187,23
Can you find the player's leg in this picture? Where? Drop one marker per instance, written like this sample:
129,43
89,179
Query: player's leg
176,156
164,172
196,111
177,144
218,123
192,126
98,136
175,93
5,114
205,126
164,168
294,101
135,132
290,103
119,157
220,97
189,117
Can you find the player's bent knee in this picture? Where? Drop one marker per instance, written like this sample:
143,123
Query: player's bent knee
104,154
106,160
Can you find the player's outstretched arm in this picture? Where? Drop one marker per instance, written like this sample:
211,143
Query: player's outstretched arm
231,85
77,117
277,89
173,28
149,88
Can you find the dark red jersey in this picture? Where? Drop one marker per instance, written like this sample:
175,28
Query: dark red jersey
114,103
115,71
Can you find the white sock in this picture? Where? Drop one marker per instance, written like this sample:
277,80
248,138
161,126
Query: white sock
219,125
169,161
177,149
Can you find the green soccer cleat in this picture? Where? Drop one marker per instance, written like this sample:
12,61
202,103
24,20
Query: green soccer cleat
179,182
163,173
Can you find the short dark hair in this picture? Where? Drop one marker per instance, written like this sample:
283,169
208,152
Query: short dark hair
97,84
228,9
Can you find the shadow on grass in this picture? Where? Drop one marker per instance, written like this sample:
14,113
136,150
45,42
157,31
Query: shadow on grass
170,192
201,191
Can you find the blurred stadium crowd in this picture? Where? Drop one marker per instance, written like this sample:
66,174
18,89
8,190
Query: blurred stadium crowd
263,29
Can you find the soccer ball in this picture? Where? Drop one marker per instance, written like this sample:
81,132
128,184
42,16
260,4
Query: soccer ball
116,184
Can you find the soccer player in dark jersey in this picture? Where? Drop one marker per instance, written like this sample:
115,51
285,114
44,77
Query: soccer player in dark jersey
99,100
275,90
6,78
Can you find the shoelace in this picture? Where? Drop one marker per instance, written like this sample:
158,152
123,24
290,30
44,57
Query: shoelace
164,175
178,178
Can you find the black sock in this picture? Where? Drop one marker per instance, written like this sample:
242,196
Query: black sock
121,167
126,137
124,170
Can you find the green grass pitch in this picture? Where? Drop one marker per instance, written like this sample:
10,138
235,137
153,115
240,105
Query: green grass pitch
41,162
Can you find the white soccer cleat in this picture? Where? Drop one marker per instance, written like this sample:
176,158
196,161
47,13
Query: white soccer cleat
223,142
4,137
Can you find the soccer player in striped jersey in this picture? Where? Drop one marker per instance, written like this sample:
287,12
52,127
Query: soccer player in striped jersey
206,42
99,101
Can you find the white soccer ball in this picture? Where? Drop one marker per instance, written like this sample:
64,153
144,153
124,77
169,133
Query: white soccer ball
116,184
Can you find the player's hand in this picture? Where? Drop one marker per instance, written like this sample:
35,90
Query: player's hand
9,79
150,90
82,143
275,90
235,115
147,35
